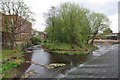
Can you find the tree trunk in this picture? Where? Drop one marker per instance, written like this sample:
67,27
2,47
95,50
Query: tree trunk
13,36
94,35
93,38
13,43
92,41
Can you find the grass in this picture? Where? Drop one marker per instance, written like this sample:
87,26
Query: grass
11,59
64,48
59,46
9,65
6,53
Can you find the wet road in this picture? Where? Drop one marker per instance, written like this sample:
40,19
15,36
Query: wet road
104,65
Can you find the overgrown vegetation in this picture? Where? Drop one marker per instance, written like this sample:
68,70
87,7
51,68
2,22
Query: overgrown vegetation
75,25
71,27
10,59
35,40
64,48
16,17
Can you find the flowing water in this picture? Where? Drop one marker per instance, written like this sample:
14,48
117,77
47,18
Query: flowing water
40,56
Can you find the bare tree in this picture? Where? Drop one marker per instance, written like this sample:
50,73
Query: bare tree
17,16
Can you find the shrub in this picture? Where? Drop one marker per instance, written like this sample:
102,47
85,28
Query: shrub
35,40
25,45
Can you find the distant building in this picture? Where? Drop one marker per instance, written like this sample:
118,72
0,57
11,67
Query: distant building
113,36
119,35
22,33
34,33
43,36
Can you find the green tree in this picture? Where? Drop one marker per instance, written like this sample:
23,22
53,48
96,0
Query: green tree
70,24
35,40
98,22
106,32
51,23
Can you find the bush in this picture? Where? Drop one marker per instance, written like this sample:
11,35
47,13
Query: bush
9,65
35,40
25,45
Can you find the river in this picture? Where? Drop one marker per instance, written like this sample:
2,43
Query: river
40,56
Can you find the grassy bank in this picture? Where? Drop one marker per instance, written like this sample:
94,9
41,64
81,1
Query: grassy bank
63,48
10,59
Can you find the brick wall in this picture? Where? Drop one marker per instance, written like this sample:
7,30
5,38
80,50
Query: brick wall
24,32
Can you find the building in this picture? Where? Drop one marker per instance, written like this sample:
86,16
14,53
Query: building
41,35
113,36
21,27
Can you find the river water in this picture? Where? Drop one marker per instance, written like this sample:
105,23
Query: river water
40,56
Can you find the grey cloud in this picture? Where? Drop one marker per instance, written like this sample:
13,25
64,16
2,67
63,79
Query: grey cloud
110,8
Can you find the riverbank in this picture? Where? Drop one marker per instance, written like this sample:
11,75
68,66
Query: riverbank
11,59
65,49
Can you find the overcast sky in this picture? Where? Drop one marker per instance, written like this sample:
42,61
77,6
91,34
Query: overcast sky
108,7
